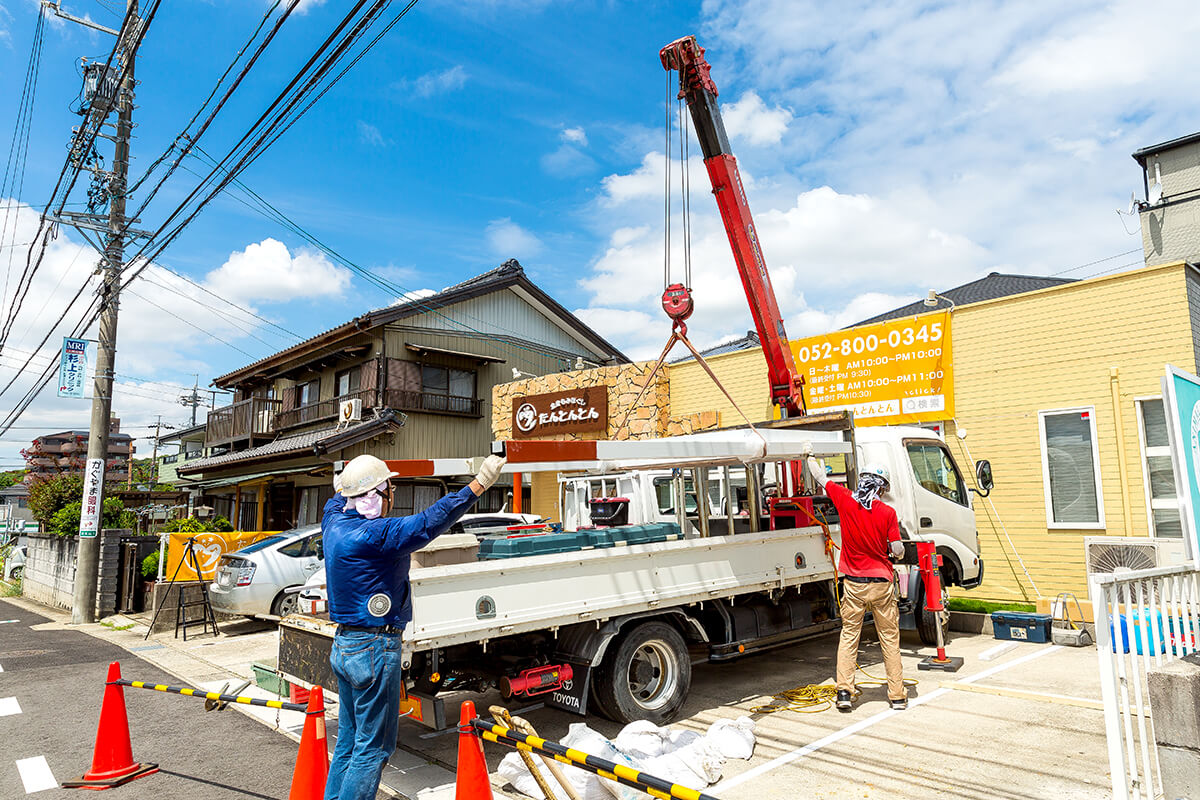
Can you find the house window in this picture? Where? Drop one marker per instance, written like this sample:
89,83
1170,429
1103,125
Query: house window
347,382
448,389
1158,476
308,393
312,504
1071,469
936,472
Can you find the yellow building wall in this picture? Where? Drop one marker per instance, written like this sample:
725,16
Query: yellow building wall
543,495
743,373
1055,349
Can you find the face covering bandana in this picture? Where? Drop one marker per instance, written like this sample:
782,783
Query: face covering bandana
370,505
869,487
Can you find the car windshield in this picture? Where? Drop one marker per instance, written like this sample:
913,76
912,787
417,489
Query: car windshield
261,543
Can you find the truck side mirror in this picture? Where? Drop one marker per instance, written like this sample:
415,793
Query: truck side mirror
983,475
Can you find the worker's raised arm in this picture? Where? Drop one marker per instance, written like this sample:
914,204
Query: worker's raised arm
814,467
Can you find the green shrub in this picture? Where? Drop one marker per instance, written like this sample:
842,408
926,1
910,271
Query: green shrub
48,497
220,525
65,521
985,606
150,566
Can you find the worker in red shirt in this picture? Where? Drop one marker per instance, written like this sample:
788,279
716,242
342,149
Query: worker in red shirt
870,534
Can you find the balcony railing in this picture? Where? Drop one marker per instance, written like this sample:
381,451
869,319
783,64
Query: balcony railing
435,403
323,410
192,454
171,459
241,421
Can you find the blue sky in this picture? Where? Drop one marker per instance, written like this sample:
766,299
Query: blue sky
886,148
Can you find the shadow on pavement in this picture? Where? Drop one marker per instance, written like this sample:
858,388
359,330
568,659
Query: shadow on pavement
215,784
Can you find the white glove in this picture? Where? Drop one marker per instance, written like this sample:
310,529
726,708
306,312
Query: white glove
806,449
490,471
897,548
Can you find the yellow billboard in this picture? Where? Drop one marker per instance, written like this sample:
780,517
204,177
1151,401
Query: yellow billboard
894,372
208,547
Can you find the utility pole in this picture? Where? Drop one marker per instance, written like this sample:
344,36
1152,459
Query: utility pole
194,400
158,426
83,609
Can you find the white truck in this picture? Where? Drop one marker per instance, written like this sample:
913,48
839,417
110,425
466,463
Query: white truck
613,627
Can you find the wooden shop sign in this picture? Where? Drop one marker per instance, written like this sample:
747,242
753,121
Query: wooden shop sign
573,411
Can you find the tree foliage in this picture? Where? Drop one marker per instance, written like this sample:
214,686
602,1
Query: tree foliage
48,497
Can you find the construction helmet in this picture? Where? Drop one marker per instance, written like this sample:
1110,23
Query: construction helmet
880,469
361,475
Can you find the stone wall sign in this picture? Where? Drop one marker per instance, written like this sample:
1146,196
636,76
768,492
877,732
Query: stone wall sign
572,411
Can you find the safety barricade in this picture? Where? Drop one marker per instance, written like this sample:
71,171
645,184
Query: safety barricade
112,759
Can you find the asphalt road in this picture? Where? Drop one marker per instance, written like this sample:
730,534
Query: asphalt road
56,679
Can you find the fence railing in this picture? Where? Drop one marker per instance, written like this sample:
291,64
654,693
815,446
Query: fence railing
322,410
403,400
242,420
1143,619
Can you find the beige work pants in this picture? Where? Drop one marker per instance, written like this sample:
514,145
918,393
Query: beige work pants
857,600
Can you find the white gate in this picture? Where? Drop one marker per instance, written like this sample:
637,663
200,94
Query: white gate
1143,619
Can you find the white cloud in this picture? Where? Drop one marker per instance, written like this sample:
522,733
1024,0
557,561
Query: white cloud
416,294
436,82
751,120
507,239
267,272
574,136
306,5
371,135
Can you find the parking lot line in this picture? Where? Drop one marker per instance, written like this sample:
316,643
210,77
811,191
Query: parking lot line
850,730
9,706
36,774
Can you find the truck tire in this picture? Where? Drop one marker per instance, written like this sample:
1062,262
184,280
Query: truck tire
927,620
645,675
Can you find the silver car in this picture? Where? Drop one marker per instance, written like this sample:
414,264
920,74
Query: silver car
254,580
14,565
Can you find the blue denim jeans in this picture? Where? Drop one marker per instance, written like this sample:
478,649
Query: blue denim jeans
367,666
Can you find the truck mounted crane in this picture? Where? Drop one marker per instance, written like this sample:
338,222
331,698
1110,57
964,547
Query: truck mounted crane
697,88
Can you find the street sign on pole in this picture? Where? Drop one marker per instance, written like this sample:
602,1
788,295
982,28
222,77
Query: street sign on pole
89,518
72,368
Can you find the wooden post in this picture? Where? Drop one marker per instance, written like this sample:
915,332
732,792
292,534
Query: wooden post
262,503
237,507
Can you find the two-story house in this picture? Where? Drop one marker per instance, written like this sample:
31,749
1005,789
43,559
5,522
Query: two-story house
423,370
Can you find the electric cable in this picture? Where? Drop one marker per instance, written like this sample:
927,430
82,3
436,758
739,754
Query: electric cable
208,333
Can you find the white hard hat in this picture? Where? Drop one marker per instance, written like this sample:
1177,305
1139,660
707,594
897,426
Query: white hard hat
361,475
880,469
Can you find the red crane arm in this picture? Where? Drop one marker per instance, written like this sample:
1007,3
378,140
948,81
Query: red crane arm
697,87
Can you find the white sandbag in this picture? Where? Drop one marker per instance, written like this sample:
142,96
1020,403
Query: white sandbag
733,738
512,768
581,737
679,738
642,739
670,767
703,759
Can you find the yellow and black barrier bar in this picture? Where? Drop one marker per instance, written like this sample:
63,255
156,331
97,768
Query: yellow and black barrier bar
224,698
621,773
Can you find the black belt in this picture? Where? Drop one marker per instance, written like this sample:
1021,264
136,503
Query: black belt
369,629
861,579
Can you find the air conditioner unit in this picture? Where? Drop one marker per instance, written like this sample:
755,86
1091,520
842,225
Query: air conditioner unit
350,410
1108,554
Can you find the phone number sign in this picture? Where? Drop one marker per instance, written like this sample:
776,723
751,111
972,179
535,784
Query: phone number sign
899,371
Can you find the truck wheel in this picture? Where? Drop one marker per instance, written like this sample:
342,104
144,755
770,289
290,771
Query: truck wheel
927,620
646,676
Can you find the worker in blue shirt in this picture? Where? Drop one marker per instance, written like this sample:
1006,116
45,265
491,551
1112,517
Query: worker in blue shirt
366,568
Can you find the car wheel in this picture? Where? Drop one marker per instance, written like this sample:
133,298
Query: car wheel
645,676
286,603
16,573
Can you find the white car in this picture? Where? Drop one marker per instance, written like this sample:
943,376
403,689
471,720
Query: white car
314,600
14,565
256,579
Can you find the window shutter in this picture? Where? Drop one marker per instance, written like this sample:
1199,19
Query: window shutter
368,373
403,375
289,399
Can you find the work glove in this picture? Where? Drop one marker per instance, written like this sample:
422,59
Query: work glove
806,449
490,471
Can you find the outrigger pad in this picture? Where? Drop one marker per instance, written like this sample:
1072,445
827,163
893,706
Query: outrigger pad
950,664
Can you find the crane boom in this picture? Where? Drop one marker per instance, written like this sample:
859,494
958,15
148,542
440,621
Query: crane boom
697,88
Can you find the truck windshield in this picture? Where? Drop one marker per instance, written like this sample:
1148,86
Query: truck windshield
664,491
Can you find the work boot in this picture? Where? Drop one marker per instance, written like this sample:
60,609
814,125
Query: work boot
843,701
900,705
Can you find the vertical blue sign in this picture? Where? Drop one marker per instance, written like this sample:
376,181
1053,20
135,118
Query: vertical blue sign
1181,401
72,368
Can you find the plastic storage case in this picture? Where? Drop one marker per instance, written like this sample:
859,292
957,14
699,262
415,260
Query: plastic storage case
1021,626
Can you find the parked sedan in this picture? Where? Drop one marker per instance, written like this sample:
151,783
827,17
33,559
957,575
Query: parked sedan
255,579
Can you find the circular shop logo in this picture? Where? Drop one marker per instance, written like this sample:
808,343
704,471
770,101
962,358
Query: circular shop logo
526,417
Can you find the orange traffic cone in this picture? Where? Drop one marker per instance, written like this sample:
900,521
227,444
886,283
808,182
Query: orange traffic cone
312,759
112,759
471,781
